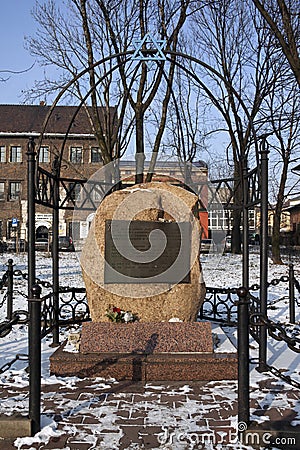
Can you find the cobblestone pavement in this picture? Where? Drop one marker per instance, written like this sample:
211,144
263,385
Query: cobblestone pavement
98,414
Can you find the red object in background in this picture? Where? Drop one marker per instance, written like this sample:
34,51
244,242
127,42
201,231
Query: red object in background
203,218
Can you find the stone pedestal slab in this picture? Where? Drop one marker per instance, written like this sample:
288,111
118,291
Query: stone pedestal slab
146,338
146,352
142,367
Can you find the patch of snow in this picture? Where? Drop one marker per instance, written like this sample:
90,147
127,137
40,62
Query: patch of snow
219,271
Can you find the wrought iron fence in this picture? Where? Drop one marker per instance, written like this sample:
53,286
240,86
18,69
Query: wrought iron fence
73,309
73,306
220,305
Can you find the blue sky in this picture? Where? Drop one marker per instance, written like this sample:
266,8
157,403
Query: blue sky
16,22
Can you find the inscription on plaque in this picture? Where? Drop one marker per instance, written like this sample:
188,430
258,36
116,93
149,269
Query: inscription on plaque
147,252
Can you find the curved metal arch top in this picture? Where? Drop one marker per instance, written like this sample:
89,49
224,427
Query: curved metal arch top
122,59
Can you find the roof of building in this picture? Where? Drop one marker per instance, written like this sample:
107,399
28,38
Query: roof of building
175,164
30,119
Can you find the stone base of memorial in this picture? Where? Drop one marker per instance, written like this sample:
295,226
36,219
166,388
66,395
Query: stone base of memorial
141,257
158,351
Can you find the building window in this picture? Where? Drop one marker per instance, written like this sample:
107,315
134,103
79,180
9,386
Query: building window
74,230
74,191
218,219
44,156
96,155
251,219
97,193
2,153
15,154
14,190
76,155
2,191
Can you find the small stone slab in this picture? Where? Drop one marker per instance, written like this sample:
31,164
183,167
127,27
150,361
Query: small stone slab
146,337
14,426
146,368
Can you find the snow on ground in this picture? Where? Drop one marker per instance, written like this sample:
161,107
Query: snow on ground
219,271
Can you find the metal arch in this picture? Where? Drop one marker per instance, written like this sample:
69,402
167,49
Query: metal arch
215,101
128,57
65,89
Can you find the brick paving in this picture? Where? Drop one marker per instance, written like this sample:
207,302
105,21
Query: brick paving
95,414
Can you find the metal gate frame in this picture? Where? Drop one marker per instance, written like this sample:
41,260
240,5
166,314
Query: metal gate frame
260,174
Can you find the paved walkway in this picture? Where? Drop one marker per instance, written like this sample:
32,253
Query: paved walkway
95,414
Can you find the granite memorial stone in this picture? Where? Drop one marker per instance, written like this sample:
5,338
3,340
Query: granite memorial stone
142,254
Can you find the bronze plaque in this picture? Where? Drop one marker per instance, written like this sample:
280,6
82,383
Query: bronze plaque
147,252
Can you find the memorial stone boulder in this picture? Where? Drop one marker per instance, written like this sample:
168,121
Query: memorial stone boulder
142,255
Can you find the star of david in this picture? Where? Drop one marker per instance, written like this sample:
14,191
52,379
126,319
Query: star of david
155,45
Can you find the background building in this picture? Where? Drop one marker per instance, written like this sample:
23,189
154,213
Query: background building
81,159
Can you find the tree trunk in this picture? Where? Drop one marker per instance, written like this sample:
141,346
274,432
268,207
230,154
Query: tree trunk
236,231
140,156
278,210
276,239
237,212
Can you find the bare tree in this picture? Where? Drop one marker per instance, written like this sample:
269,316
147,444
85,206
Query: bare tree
282,18
233,41
282,123
6,74
91,30
186,137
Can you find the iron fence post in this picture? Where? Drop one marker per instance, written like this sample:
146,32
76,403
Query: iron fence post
264,245
243,356
34,345
55,253
31,167
10,284
245,224
292,294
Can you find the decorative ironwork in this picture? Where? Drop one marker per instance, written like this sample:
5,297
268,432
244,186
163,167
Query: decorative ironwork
254,191
73,193
217,192
45,188
73,309
47,315
224,191
154,52
276,331
220,305
254,308
18,357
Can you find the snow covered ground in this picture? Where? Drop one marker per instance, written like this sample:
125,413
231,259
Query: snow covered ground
219,271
